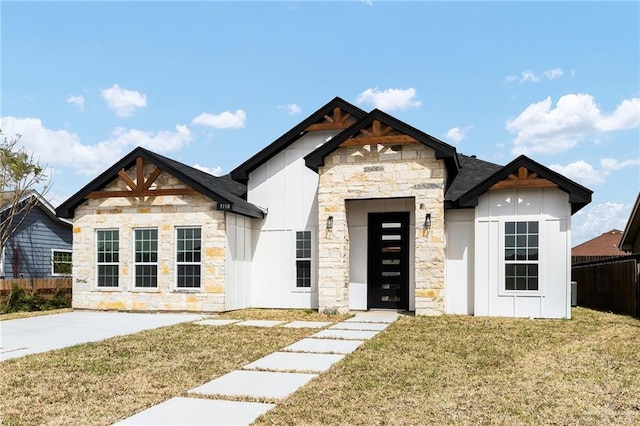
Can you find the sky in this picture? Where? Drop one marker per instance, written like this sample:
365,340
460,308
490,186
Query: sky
212,83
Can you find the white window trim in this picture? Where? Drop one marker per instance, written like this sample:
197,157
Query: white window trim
312,262
176,263
133,261
502,291
53,250
95,245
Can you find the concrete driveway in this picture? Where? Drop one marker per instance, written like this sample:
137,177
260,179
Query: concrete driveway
26,336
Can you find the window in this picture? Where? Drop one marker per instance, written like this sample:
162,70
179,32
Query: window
108,257
521,256
303,259
188,255
146,258
60,262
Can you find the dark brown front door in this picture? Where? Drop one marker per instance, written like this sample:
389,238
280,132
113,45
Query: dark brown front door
388,261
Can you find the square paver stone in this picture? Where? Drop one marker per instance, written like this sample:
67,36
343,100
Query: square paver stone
257,384
197,411
259,323
371,326
345,334
374,316
325,346
292,361
216,322
307,324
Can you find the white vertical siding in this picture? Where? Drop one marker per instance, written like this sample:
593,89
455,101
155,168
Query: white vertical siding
551,208
238,262
287,188
459,265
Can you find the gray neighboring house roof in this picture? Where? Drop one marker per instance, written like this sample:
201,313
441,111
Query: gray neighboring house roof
220,189
41,202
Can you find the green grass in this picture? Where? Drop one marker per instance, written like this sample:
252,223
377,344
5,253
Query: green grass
18,315
466,370
421,370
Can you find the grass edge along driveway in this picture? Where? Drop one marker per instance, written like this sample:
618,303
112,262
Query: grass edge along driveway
422,370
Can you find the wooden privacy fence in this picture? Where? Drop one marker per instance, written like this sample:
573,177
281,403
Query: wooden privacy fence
42,286
609,284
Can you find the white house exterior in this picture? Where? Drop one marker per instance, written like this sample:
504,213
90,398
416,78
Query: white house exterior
348,210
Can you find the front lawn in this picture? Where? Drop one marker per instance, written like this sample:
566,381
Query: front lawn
422,370
465,370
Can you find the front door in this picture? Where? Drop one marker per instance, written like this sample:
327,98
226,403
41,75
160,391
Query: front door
388,261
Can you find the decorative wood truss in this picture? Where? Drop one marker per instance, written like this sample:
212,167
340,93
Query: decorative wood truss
524,179
377,134
141,187
339,120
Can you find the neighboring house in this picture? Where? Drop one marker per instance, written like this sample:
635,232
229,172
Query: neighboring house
41,246
631,237
604,246
347,210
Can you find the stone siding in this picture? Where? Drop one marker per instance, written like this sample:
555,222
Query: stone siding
164,213
374,172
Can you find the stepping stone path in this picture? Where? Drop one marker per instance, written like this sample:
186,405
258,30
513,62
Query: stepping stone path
273,377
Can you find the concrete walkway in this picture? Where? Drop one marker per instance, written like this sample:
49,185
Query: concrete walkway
273,377
26,336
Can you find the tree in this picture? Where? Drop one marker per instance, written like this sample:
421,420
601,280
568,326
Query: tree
20,174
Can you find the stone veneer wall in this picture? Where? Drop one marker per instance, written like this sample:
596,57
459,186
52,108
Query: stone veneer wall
164,213
410,170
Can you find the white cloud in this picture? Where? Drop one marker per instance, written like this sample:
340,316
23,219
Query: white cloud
532,77
292,109
124,102
368,2
595,220
216,171
612,164
162,141
528,76
581,172
390,99
224,120
77,101
626,116
543,129
586,174
60,148
554,73
456,134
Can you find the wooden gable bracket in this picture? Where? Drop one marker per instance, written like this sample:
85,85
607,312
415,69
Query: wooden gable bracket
377,135
339,120
140,188
524,179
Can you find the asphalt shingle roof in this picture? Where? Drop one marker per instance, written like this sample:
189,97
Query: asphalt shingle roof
472,171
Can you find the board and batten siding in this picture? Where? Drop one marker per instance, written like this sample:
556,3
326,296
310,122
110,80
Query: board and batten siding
285,186
459,265
34,240
238,262
551,208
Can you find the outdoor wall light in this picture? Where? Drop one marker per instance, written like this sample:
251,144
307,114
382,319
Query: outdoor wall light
427,221
330,223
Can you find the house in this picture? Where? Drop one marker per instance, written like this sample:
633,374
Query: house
41,245
347,210
604,246
630,240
